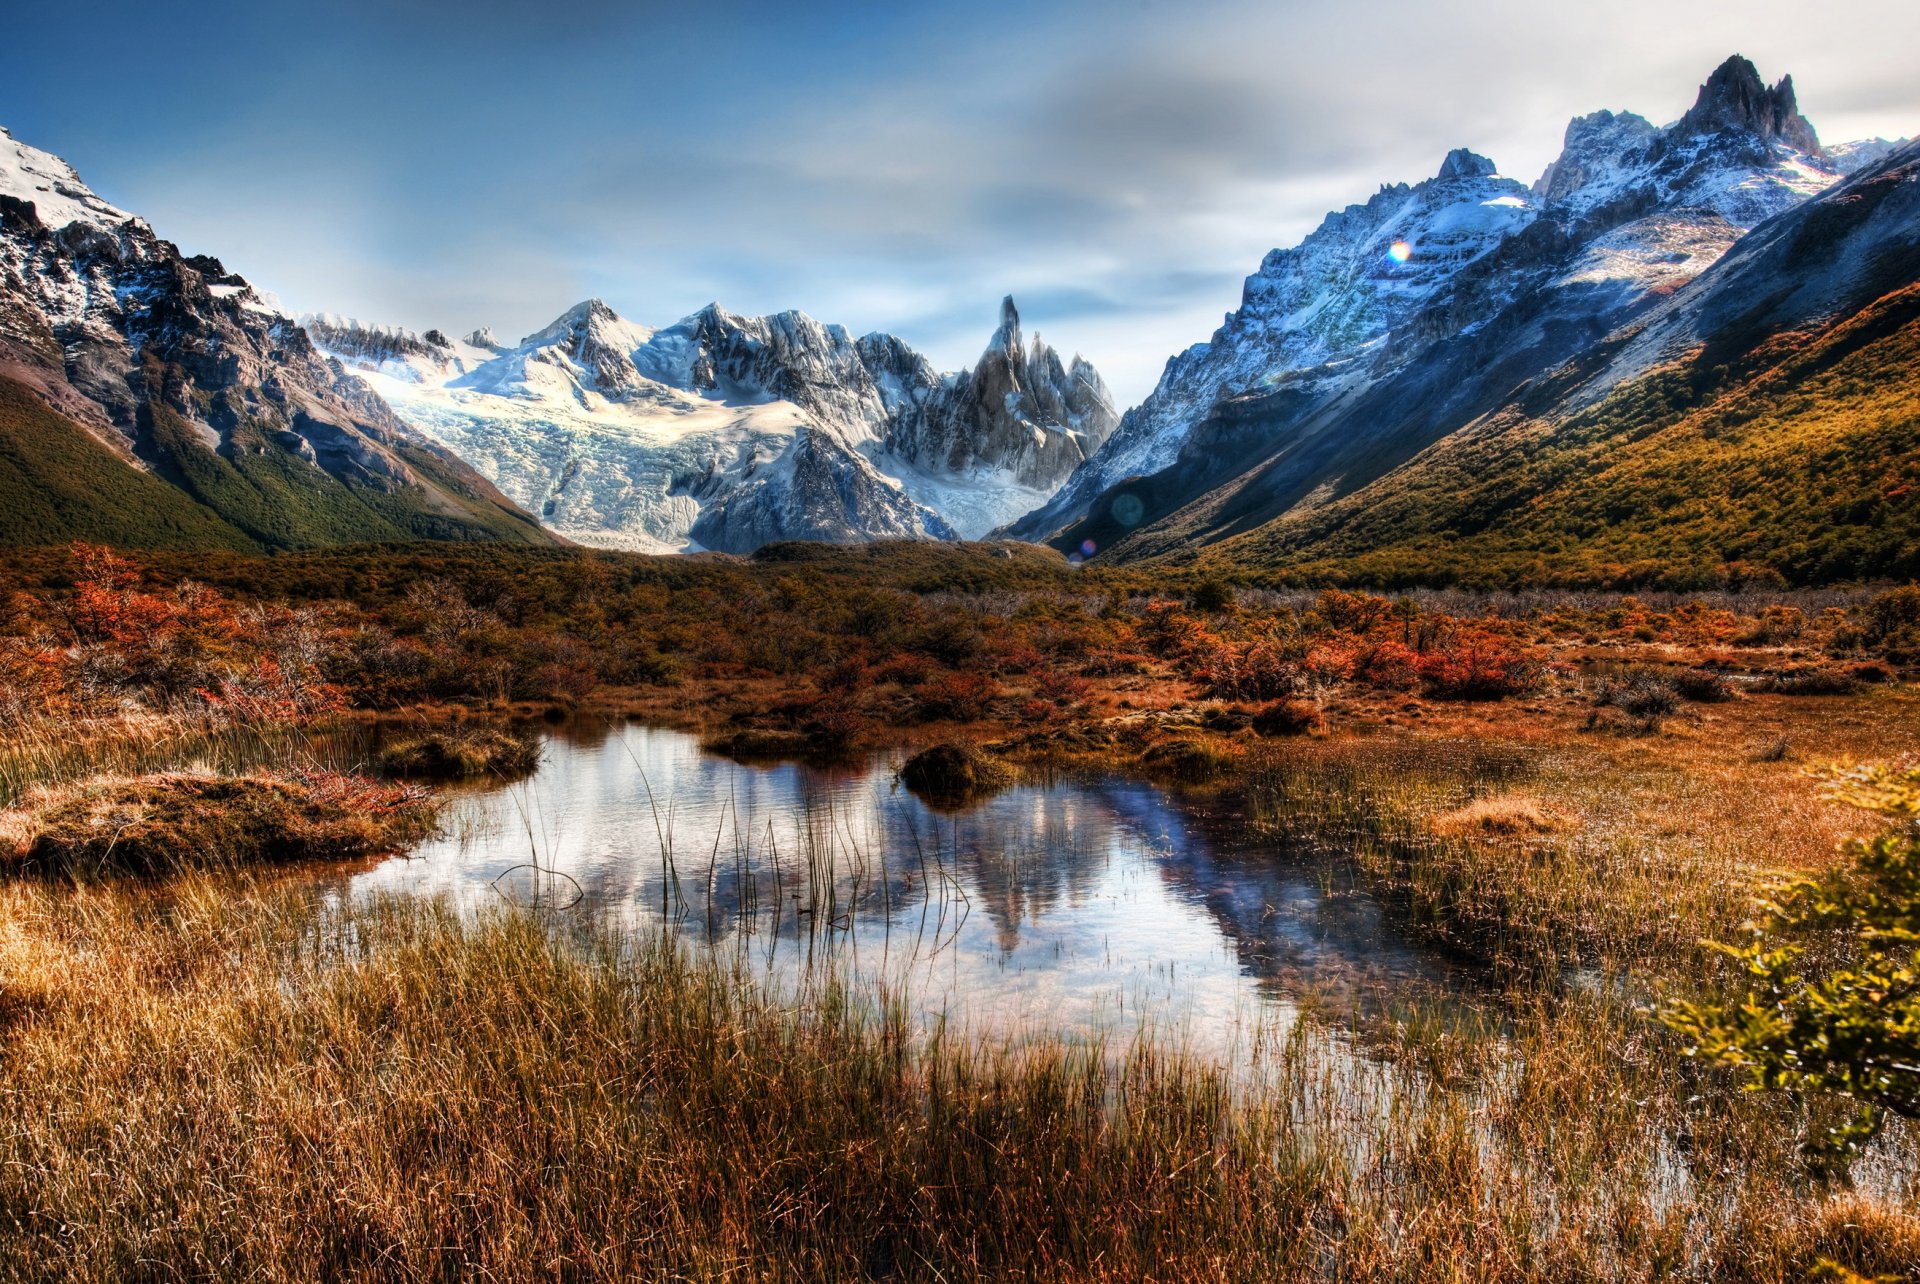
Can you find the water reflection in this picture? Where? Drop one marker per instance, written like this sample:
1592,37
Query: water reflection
1072,905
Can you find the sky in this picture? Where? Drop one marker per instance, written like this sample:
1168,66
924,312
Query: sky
1119,166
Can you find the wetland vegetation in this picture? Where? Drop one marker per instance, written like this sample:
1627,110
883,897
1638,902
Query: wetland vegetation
1354,919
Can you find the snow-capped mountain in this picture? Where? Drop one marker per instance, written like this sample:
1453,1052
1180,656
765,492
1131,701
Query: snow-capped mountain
1493,279
1755,422
1318,308
1020,414
189,378
726,432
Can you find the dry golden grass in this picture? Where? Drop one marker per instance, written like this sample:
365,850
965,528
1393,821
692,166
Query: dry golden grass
1509,815
1634,848
217,1081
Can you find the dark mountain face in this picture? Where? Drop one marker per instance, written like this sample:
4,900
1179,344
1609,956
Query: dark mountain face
1764,419
180,369
1019,411
1735,100
1261,421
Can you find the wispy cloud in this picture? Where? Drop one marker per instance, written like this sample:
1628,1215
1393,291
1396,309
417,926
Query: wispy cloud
1117,167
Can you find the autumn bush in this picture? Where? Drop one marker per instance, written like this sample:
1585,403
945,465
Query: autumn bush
956,697
1480,666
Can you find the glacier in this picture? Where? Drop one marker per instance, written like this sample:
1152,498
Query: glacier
723,432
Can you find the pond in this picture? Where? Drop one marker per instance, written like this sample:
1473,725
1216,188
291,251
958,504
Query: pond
1076,905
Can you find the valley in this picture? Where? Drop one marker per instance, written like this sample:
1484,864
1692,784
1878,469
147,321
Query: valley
1427,793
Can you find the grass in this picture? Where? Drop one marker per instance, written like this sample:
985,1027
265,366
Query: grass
168,822
58,483
1798,460
1508,815
464,753
222,1081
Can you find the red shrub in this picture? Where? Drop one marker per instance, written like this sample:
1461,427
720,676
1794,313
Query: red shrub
1248,671
1390,666
1479,666
957,697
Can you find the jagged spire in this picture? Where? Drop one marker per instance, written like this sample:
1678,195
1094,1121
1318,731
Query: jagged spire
1735,97
1007,339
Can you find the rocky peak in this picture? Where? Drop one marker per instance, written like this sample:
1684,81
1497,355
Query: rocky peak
598,340
358,341
485,339
1461,163
1736,99
574,322
50,185
1594,143
1007,339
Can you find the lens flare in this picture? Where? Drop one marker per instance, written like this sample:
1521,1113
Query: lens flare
1399,251
1086,547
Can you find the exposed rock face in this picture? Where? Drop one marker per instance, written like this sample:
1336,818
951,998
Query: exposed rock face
1317,310
1396,321
1735,100
726,432
345,336
593,338
187,372
1019,412
820,490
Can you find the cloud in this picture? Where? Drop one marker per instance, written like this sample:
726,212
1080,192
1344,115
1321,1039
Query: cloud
1119,168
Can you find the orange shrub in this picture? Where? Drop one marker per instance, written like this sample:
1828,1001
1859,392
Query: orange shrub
1476,665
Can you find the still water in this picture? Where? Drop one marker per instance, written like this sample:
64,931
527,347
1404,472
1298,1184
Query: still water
1080,904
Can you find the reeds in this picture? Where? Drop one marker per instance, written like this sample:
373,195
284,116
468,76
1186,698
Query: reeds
226,1082
1530,880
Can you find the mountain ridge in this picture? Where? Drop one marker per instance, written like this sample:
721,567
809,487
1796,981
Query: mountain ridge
180,371
1625,216
725,432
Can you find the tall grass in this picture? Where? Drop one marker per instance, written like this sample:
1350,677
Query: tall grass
70,750
214,1081
1591,889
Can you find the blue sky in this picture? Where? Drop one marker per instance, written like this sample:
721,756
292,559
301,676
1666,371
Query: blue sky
1118,166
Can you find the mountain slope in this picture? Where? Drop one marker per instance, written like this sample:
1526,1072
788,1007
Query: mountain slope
1625,217
58,482
726,432
1318,312
1764,422
181,374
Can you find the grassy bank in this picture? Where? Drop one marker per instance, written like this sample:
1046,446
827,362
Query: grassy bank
211,1082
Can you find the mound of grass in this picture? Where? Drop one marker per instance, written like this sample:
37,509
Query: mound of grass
1506,815
953,775
760,744
1191,762
462,754
1705,686
1291,717
162,823
1812,680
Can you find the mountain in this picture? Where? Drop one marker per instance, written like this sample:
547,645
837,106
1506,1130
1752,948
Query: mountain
148,398
726,432
1402,321
1762,422
1315,313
